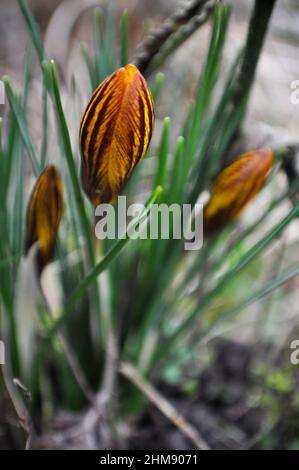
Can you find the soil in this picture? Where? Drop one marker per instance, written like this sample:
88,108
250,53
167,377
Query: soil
235,406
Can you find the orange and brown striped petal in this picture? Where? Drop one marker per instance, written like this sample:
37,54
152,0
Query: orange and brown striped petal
115,132
235,187
44,214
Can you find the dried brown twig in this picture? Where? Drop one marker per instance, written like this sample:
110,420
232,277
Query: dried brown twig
159,44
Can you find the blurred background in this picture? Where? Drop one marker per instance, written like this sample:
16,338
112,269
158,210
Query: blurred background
64,23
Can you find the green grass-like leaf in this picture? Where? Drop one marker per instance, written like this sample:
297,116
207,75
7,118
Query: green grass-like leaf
105,262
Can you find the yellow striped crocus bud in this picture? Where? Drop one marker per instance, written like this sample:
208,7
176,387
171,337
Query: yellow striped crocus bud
44,215
115,132
235,187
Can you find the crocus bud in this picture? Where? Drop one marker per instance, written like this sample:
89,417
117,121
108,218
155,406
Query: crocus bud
115,132
44,215
235,187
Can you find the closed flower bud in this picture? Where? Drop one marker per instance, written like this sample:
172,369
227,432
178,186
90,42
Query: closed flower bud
235,187
115,132
44,215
